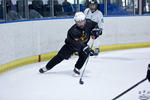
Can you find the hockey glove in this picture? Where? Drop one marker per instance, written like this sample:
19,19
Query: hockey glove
87,50
148,73
96,32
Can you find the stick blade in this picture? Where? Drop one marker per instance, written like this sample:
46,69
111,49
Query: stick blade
80,81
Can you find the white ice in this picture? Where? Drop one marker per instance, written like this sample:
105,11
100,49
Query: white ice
106,76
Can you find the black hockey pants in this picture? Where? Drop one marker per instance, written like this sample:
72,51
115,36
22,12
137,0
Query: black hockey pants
65,53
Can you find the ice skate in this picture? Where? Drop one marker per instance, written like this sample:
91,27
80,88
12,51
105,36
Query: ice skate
76,72
43,70
96,52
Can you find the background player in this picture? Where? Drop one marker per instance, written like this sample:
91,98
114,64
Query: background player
95,15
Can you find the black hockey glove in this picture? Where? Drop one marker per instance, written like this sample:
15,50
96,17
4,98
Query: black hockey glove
96,32
148,73
87,50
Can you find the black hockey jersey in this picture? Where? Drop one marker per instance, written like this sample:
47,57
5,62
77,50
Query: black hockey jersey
78,38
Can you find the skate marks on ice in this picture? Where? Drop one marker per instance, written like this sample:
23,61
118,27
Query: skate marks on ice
126,55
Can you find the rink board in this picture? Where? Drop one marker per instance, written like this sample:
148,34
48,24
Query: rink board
48,56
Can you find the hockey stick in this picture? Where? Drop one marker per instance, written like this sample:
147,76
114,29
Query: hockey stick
129,89
81,81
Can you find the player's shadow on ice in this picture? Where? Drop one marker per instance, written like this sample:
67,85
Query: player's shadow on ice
65,72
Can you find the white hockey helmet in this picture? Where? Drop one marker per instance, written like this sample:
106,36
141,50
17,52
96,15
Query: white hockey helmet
79,16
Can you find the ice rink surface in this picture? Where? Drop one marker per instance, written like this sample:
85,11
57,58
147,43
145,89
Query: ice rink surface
107,75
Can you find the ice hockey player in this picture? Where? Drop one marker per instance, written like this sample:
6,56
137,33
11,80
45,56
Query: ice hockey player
148,73
95,15
76,41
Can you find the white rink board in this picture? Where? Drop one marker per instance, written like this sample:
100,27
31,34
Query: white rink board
29,38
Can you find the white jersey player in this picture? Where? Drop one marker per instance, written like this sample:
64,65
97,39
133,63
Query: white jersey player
95,15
